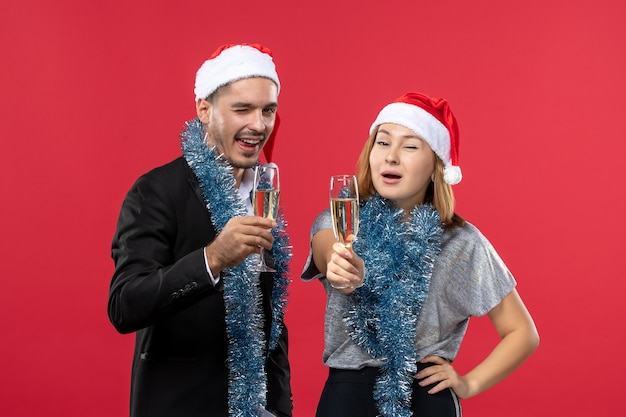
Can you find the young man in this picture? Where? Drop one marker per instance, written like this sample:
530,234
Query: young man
210,337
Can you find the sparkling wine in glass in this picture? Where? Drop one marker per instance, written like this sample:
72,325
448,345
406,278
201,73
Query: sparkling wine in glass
265,197
344,208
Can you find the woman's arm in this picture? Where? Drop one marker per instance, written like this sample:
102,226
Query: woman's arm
519,339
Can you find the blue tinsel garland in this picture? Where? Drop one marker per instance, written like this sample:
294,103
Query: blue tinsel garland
382,319
242,298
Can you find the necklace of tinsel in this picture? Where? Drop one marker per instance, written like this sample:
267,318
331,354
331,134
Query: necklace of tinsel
382,318
247,382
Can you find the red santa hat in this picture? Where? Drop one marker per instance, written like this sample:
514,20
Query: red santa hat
432,120
235,62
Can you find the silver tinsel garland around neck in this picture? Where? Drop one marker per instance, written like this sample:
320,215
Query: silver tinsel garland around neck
242,297
382,319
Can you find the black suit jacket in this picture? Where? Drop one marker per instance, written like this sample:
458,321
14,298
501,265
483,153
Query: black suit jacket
161,290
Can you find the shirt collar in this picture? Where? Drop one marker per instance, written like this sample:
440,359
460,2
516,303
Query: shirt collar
245,188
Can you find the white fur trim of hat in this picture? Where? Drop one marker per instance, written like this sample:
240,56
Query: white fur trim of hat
233,63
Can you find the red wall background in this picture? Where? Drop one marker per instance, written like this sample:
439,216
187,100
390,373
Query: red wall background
95,93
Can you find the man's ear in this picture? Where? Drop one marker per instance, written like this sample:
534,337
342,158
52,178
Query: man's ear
203,110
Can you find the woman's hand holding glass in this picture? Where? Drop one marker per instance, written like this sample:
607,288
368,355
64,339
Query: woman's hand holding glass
345,270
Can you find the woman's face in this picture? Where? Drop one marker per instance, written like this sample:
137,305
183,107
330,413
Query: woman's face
402,165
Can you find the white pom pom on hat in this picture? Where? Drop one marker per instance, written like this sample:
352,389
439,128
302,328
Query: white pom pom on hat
432,120
231,63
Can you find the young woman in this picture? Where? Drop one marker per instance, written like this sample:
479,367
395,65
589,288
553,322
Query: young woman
399,302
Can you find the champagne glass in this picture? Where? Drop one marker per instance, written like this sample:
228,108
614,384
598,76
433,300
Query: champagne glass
265,196
344,208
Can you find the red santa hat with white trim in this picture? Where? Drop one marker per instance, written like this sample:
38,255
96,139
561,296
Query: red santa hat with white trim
235,62
432,120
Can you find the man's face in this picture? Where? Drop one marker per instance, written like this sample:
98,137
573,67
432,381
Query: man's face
239,118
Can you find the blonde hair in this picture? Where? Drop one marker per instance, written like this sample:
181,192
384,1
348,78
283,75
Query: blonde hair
439,193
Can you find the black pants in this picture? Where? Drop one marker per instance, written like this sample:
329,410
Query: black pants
350,394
